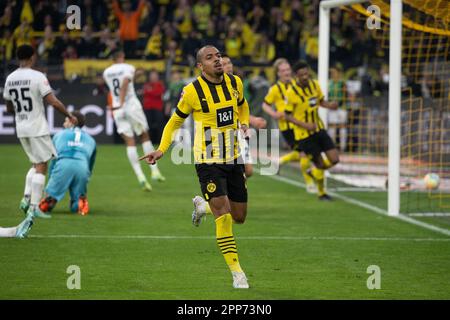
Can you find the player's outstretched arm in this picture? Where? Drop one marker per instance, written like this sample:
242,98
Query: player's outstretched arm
271,112
152,157
257,122
58,105
333,105
172,125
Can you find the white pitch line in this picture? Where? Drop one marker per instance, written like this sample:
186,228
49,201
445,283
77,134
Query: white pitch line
289,238
369,207
429,214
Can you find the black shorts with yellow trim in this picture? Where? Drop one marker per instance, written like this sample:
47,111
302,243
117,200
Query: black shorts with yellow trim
223,180
289,137
315,144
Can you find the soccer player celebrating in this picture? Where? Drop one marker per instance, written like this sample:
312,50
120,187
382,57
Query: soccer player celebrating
129,116
72,169
25,90
303,100
277,97
217,103
256,122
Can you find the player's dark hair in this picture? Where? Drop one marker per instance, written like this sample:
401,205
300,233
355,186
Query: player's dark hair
80,117
24,52
300,65
199,55
224,55
116,53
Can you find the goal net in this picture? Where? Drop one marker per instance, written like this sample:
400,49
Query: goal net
358,78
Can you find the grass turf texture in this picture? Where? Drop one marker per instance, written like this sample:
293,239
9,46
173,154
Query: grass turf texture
291,246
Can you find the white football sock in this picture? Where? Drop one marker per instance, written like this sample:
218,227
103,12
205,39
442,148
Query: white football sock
8,232
29,178
134,161
37,187
147,146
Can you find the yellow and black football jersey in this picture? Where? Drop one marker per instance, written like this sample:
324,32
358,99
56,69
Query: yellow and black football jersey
277,96
218,110
303,103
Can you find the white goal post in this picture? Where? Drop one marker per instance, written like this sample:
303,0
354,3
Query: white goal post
395,63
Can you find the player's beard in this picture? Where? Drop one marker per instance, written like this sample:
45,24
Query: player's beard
219,73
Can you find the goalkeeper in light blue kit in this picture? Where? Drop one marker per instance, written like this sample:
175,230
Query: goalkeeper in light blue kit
72,168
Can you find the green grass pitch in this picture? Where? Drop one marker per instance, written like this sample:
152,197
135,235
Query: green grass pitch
137,245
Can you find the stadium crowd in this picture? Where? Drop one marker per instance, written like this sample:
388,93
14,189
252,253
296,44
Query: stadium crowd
252,32
249,31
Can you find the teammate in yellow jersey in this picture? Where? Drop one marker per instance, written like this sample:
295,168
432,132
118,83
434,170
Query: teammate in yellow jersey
216,101
255,122
277,97
303,100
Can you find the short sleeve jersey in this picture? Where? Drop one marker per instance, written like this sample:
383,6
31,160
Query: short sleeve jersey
215,109
114,77
277,96
26,88
303,103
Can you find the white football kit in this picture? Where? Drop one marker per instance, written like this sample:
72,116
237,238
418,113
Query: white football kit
26,89
130,117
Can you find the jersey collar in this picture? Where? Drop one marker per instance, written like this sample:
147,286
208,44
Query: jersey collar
213,83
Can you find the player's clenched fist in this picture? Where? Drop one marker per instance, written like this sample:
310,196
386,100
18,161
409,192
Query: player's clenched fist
152,157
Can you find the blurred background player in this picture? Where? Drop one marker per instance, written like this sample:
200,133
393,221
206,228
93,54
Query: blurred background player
337,119
217,103
25,91
256,122
303,100
72,169
277,97
129,115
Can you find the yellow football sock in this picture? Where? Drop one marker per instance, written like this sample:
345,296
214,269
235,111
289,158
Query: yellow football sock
291,156
225,240
305,164
318,175
208,208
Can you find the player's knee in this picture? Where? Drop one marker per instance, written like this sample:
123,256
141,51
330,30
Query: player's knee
144,137
320,165
240,216
239,219
334,159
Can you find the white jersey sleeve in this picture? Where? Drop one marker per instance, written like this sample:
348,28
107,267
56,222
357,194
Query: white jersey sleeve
26,88
44,86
